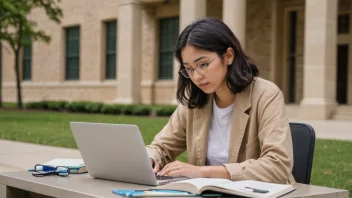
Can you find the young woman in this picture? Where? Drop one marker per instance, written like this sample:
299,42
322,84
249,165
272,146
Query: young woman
231,122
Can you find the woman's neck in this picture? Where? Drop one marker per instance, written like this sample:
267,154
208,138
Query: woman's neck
224,98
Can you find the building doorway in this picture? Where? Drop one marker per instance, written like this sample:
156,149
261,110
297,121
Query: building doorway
342,73
289,71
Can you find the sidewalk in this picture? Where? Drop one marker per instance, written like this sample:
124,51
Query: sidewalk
17,156
330,129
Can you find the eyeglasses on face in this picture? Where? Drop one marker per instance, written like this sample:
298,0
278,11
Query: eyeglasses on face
44,170
201,68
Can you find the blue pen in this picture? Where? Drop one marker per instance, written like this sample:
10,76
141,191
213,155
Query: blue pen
256,190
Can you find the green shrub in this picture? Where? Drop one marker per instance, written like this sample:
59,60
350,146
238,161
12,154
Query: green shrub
33,105
76,106
111,109
127,109
36,105
106,109
97,107
92,107
165,110
56,105
142,110
68,106
44,105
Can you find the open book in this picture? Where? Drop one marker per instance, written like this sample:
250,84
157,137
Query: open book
246,188
75,165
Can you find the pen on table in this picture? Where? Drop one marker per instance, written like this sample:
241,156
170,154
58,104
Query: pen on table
257,190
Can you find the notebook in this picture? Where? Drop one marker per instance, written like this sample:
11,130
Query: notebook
246,188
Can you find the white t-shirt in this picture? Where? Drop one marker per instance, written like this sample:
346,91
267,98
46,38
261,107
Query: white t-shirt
219,135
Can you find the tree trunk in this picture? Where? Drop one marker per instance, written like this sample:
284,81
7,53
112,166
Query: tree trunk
1,76
1,86
18,80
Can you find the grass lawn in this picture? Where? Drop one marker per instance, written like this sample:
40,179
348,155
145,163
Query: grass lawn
9,105
332,164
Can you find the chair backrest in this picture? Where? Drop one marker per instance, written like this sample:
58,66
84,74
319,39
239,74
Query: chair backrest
303,140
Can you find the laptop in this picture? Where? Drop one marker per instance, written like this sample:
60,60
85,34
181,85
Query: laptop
116,152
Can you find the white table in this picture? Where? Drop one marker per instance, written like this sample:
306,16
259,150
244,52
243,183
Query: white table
23,185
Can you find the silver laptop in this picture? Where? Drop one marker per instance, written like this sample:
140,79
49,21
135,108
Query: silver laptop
116,152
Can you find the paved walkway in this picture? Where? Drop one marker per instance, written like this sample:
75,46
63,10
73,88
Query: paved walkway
330,129
16,156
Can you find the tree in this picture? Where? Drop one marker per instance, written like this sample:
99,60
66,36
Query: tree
16,26
0,75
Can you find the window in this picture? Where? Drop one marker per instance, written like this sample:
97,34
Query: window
343,24
27,59
167,40
110,56
72,53
292,58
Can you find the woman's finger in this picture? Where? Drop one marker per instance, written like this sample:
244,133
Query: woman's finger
175,173
170,169
156,167
170,165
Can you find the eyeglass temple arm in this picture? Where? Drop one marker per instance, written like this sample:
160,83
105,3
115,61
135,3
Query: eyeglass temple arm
42,173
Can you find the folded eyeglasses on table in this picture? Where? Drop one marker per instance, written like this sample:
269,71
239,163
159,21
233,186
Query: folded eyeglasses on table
45,170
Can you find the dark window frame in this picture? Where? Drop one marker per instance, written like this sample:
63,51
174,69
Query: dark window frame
72,55
343,23
110,49
168,28
27,60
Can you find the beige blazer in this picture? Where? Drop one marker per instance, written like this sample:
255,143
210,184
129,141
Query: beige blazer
260,145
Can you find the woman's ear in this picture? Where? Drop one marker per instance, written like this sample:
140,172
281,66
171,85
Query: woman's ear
229,56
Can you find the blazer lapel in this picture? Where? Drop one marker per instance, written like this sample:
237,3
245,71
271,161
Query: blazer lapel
239,122
202,120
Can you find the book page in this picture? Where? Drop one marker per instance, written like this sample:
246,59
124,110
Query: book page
240,188
200,182
193,185
65,162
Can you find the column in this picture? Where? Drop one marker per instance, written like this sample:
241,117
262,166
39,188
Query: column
149,48
189,12
234,15
129,52
274,43
319,94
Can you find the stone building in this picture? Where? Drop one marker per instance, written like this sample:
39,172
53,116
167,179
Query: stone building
121,51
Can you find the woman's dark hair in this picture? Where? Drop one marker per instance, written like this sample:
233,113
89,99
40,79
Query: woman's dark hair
213,35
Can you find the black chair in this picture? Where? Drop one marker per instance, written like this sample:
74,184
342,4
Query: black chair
303,140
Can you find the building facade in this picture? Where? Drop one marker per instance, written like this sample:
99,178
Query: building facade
121,51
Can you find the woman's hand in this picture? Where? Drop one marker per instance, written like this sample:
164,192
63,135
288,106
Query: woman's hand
178,168
156,166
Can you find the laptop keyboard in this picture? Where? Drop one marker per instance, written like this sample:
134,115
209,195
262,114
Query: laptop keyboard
162,180
159,177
